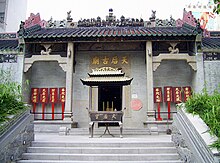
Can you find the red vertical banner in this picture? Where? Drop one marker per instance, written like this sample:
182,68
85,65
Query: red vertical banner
158,99
177,94
187,92
43,99
168,97
53,99
62,92
34,97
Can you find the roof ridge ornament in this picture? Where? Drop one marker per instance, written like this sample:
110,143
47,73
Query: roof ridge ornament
69,19
107,70
21,30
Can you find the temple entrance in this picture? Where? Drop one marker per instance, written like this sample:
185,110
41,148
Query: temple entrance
110,82
110,98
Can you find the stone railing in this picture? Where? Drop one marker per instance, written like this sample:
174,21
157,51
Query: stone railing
18,136
191,137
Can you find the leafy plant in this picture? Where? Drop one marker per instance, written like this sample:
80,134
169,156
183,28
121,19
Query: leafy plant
217,6
10,97
208,108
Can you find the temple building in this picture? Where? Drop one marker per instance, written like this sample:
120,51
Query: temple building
143,68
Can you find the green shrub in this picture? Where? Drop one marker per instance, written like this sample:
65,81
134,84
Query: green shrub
208,108
10,97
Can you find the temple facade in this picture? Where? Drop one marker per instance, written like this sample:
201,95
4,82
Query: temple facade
143,68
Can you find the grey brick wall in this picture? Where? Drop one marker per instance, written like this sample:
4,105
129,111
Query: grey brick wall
212,75
47,75
175,74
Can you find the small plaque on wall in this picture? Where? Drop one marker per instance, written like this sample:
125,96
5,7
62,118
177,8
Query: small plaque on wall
136,104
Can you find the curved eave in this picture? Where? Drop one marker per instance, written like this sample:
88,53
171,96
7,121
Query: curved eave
130,33
105,74
99,82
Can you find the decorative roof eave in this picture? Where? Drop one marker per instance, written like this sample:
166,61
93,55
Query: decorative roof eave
9,46
9,51
211,44
106,71
110,39
108,33
213,50
91,81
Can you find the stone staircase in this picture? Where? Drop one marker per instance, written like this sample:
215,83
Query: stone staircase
77,147
113,130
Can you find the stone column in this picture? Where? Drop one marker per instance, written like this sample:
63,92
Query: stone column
149,67
69,82
199,81
94,98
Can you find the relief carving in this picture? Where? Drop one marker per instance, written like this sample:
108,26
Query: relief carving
47,51
172,49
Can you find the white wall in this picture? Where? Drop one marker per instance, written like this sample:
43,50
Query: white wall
16,12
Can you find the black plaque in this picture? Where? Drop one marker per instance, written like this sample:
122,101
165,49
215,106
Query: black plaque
8,58
101,116
211,56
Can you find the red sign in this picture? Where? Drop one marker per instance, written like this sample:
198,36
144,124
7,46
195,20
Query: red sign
158,95
136,104
34,95
168,95
177,97
53,95
62,94
43,95
187,92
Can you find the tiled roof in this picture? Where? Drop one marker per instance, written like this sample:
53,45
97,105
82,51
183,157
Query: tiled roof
215,33
94,81
104,32
8,45
211,42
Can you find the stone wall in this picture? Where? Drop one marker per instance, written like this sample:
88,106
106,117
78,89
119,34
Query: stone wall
169,73
189,134
15,68
212,75
46,75
15,141
174,73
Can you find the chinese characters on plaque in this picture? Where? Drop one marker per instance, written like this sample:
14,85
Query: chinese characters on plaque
158,98
53,95
158,95
177,97
171,94
107,60
48,95
53,99
34,97
168,94
62,94
62,99
187,92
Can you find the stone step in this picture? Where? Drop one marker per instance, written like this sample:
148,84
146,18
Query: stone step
100,157
54,148
62,161
108,144
113,130
106,150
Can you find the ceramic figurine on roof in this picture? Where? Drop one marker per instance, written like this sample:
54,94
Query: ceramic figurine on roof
110,21
21,29
153,16
69,19
199,29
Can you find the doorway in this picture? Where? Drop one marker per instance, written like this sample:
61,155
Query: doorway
110,98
